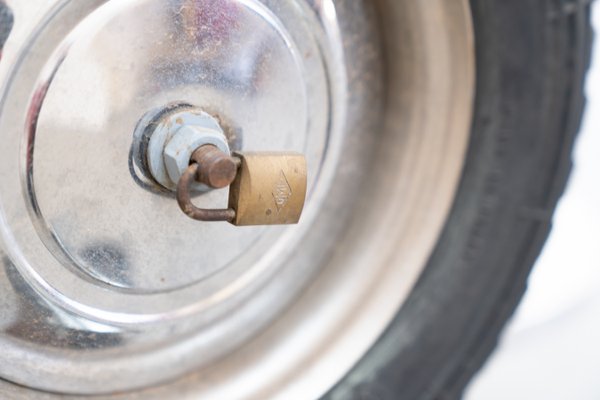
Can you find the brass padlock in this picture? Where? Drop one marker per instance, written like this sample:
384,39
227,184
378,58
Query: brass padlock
269,189
266,188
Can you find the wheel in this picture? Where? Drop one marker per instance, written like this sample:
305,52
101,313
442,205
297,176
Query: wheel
437,136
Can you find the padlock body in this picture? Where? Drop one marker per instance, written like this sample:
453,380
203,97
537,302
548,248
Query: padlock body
270,189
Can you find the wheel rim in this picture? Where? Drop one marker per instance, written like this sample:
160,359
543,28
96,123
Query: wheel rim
346,273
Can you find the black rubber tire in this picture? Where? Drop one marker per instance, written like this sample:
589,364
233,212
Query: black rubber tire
532,56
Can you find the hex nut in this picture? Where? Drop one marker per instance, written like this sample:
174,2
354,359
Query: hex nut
184,142
175,139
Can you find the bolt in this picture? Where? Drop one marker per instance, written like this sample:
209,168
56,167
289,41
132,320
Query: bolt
216,169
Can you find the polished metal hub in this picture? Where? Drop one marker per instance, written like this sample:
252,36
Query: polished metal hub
87,208
95,235
107,287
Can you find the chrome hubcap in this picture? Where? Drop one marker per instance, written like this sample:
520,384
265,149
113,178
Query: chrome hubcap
108,287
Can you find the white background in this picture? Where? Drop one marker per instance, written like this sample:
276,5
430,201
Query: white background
551,349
